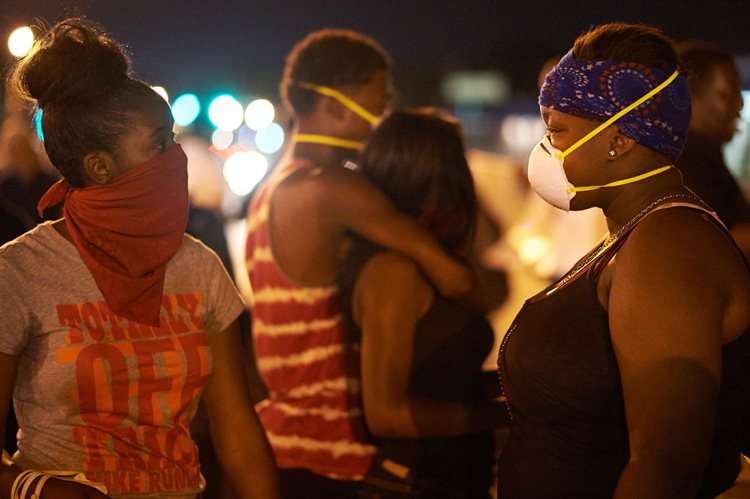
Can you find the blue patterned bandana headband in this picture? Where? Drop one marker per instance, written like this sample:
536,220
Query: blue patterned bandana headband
597,90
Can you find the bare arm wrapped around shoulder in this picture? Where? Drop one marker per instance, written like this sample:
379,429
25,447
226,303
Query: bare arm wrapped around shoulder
357,205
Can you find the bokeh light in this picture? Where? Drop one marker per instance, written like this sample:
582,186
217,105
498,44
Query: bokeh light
226,113
246,138
186,109
243,170
20,41
221,139
270,139
259,114
161,91
533,249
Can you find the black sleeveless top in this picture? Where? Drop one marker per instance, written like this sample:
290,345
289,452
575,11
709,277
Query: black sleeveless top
450,346
558,370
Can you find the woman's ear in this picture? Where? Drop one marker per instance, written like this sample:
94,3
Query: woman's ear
619,145
99,168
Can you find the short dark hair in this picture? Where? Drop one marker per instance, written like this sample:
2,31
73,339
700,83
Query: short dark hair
81,79
624,42
700,58
332,58
417,159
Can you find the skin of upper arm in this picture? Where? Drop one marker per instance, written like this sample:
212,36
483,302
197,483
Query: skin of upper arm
350,202
337,201
390,297
666,308
342,199
239,438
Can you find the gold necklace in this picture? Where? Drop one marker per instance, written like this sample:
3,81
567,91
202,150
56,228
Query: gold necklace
611,239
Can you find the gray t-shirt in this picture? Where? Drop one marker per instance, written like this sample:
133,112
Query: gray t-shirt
99,393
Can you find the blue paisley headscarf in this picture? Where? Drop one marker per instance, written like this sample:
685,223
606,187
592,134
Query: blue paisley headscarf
596,90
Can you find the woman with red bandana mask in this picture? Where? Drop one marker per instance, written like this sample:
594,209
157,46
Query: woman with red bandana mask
427,405
114,321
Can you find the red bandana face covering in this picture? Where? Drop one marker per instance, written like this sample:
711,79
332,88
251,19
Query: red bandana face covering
126,231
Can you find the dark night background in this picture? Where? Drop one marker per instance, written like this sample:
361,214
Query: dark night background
210,46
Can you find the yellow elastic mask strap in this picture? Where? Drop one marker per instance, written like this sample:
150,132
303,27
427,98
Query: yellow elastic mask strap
620,114
618,183
343,99
327,140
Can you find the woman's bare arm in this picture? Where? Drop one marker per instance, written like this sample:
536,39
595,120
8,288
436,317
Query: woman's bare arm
667,310
239,438
357,205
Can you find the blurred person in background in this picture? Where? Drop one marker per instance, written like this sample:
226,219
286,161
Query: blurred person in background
116,323
428,405
336,84
206,190
628,376
23,178
14,220
11,225
716,104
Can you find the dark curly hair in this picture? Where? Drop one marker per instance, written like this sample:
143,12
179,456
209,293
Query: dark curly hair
81,79
624,42
333,58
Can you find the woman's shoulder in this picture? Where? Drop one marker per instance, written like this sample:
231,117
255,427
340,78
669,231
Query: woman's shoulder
28,243
193,247
391,285
681,245
395,274
194,256
39,250
683,231
386,263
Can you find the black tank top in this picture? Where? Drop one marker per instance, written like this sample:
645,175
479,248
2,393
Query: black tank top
559,372
450,346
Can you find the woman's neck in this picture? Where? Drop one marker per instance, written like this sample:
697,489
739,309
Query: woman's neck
631,199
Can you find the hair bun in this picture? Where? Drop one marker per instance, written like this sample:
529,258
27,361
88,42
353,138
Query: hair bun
74,63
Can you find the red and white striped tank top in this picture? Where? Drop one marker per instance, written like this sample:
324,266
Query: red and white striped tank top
313,415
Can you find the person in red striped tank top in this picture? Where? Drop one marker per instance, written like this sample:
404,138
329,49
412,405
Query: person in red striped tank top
336,83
